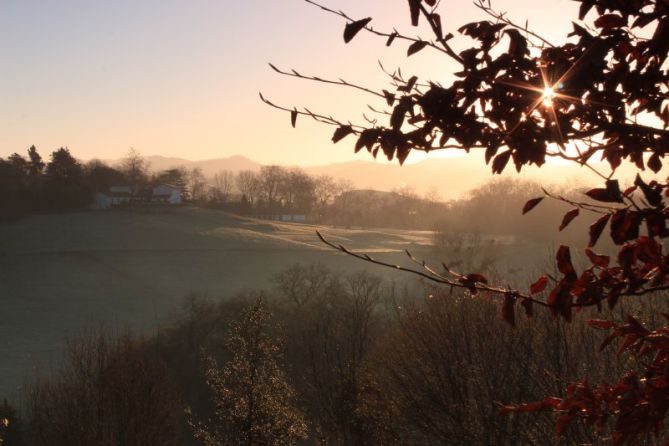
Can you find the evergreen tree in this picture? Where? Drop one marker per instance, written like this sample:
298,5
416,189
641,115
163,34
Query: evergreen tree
35,165
65,186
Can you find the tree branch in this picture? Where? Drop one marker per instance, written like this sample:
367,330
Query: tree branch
315,116
433,276
501,16
340,82
395,34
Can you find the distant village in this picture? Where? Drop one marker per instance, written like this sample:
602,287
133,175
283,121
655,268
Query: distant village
31,184
168,194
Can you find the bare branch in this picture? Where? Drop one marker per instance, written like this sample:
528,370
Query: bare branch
315,116
340,82
394,34
486,7
432,276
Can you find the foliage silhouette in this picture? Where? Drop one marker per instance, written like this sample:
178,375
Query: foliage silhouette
522,99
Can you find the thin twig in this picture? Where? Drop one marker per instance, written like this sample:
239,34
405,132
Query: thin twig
396,34
315,116
433,276
501,16
340,82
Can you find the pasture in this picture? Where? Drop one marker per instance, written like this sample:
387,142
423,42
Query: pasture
61,273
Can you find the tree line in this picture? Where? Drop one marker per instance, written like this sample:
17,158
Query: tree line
32,184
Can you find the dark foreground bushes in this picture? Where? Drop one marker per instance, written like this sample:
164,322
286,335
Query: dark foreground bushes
323,358
110,391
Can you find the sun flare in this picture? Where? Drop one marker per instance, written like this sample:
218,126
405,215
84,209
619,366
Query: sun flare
548,96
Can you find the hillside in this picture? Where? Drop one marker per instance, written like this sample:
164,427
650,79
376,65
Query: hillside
62,272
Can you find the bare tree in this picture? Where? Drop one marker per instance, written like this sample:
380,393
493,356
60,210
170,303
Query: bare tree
196,184
223,183
254,401
336,324
248,184
296,191
270,179
135,169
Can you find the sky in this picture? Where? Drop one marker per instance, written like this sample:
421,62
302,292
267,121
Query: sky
181,78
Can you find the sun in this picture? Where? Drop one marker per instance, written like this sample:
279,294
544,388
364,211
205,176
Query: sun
548,96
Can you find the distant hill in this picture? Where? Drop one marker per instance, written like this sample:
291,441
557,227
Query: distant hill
448,177
209,167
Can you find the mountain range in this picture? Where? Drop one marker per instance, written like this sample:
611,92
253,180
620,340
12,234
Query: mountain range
446,178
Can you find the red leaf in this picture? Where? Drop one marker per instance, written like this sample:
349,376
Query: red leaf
366,139
509,408
654,163
529,311
508,309
564,264
539,285
603,195
490,151
584,8
391,38
341,133
390,98
416,47
607,21
500,161
596,229
354,28
601,324
596,259
475,277
293,118
531,204
568,217
652,195
409,85
402,154
414,8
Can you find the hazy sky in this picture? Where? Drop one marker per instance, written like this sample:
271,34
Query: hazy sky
181,77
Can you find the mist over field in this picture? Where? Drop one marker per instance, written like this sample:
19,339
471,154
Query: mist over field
132,268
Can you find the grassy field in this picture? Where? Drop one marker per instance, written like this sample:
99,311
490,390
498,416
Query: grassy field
60,273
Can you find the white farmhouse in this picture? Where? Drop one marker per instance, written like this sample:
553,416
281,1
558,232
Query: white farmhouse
117,196
166,193
101,201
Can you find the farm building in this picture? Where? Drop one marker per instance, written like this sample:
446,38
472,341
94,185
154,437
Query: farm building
117,196
122,196
166,193
297,218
